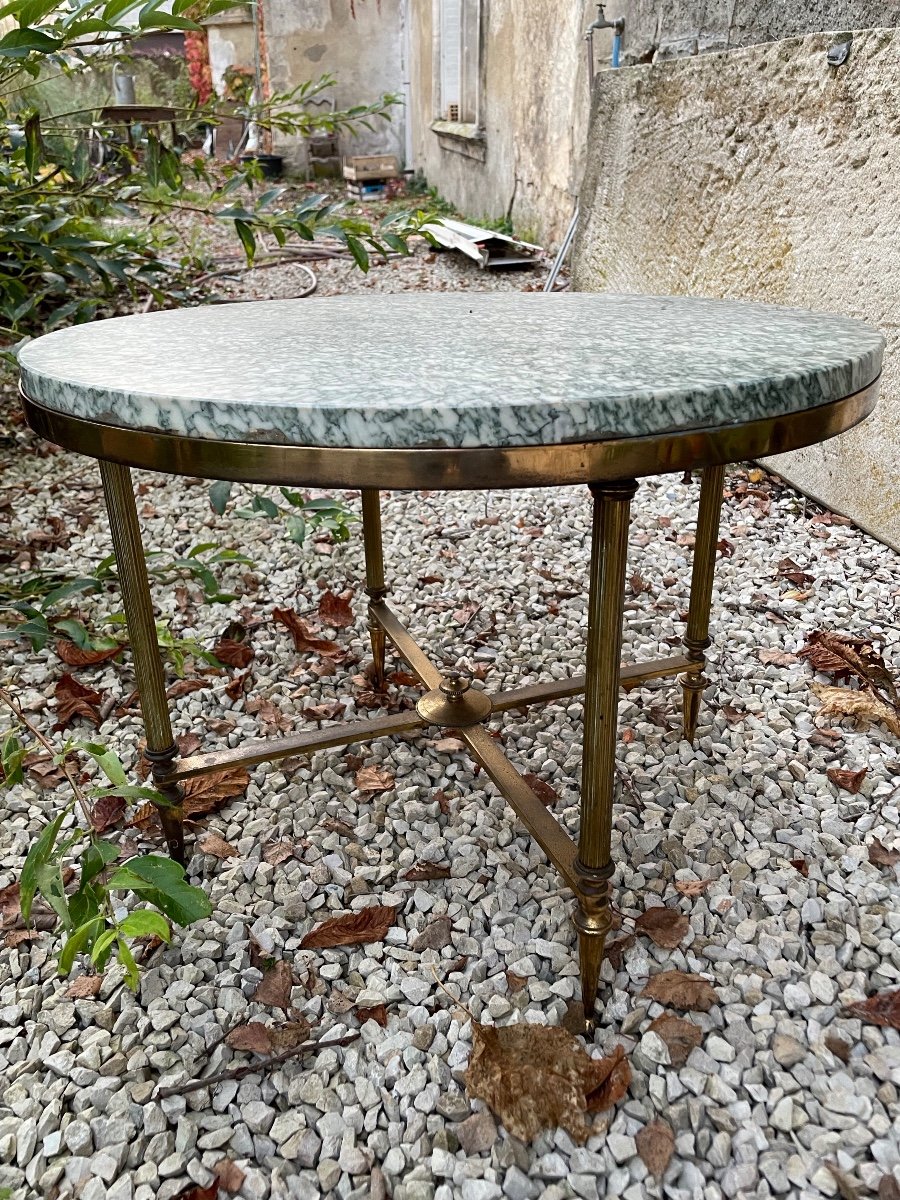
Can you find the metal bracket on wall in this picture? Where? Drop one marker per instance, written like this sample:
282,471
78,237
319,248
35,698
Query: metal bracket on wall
839,52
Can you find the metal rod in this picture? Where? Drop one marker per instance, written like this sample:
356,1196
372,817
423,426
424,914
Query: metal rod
406,646
148,669
696,638
375,585
609,551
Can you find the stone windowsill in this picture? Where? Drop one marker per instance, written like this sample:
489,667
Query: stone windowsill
231,16
458,129
458,137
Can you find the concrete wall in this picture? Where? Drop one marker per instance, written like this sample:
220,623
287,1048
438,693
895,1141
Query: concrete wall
309,38
534,111
232,43
660,29
763,174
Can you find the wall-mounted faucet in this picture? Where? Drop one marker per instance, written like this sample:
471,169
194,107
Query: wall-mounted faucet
600,22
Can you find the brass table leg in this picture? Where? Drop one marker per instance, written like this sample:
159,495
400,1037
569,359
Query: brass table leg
375,586
161,749
696,638
593,867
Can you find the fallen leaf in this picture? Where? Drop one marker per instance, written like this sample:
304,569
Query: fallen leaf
278,852
615,951
404,679
335,611
845,657
614,1085
849,781
788,569
305,640
74,656
863,707
848,1186
881,856
269,714
514,982
289,1035
448,745
229,1175
838,1047
426,870
184,687
196,1192
211,843
107,812
16,937
655,1145
205,793
638,584
733,715
143,817
544,792
329,711
692,887
233,653
188,744
780,658
664,927
374,779
339,1002
443,801
680,1036
678,989
334,825
888,1188
73,700
377,1013
238,686
881,1009
801,865
436,935
84,987
725,548
10,901
275,986
536,1077
353,929
253,1036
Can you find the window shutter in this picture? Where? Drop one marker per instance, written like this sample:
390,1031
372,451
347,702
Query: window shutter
451,44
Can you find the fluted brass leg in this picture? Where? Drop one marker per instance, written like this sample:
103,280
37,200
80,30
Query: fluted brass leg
375,586
696,638
593,867
132,570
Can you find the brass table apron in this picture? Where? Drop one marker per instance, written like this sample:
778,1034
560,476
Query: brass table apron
610,469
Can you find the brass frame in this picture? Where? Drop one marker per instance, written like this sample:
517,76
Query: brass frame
610,468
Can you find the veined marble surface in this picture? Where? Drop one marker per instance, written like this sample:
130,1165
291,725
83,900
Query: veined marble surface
427,369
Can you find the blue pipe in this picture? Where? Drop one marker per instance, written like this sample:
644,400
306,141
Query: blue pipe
617,46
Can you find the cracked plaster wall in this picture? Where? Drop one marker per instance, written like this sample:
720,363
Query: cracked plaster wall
763,174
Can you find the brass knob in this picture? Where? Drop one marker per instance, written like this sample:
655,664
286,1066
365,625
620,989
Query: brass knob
454,685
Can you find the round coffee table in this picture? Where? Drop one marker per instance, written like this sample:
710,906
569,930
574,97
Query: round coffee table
459,392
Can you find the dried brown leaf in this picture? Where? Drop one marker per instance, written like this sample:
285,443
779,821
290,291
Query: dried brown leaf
426,870
615,951
780,658
374,779
733,715
278,852
888,1188
353,929
664,927
788,569
211,843
275,986
238,686
233,653
74,656
404,679
678,989
73,700
184,687
536,1077
84,987
144,816
863,707
378,1014
845,657
196,1192
680,1036
16,937
289,1035
329,711
692,887
443,801
801,865
253,1037
304,639
515,982
436,935
881,1009
544,792
656,1145
335,611
269,714
849,781
107,812
205,793
10,901
881,856
229,1175
838,1047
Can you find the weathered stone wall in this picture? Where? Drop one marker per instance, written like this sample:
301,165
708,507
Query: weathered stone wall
659,29
309,38
534,111
763,174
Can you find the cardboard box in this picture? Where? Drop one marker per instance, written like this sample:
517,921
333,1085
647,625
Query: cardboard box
371,166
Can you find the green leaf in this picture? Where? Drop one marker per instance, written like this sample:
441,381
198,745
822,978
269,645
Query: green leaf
38,856
126,958
34,146
161,882
19,43
219,492
248,239
296,528
107,760
145,922
102,945
265,505
76,943
12,755
50,884
133,791
94,859
77,632
359,252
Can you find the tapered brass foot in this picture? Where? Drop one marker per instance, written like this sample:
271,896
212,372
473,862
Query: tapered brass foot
378,642
375,585
593,920
696,638
692,688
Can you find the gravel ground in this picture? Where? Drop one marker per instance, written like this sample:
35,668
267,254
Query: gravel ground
760,1109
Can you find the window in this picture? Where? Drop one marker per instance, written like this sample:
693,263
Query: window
459,44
